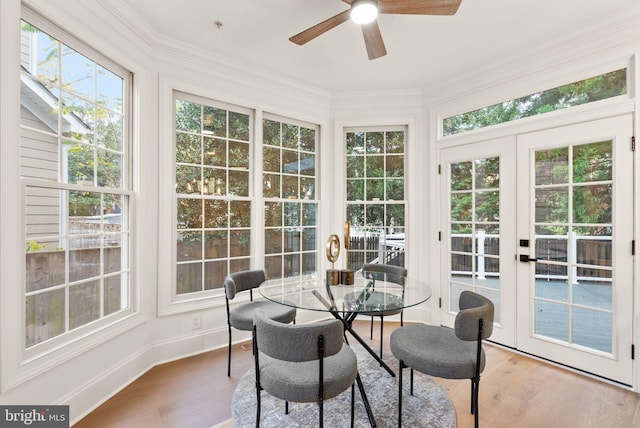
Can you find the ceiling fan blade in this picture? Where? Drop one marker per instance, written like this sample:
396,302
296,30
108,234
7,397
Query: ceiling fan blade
417,7
321,28
373,40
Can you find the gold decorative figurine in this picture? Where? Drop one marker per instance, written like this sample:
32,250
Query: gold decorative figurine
333,251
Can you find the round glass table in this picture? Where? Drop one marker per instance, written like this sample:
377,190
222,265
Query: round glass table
370,293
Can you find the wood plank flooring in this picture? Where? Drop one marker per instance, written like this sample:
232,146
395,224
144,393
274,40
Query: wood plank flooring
515,391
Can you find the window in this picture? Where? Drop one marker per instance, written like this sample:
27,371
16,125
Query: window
74,163
213,223
289,189
375,177
585,91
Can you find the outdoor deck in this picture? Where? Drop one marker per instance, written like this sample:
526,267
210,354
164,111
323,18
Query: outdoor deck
587,322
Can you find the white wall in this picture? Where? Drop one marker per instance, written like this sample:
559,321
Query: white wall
94,368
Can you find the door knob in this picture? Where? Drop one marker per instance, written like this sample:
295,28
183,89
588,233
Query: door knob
525,258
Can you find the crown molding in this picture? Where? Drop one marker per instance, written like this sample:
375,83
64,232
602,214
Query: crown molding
603,40
196,58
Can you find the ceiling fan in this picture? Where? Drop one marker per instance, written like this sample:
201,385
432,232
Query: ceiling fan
364,12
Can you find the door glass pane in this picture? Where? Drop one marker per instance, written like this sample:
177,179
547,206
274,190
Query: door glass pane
593,288
552,288
552,320
487,173
461,178
461,206
573,245
551,244
552,166
592,329
491,240
552,205
594,245
475,224
592,162
592,204
487,206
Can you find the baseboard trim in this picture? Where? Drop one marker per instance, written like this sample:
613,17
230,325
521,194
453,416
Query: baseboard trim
100,389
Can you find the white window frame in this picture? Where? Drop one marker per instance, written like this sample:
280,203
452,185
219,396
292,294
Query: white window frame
187,301
386,227
298,201
56,350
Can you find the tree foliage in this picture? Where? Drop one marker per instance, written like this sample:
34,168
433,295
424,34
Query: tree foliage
89,98
585,91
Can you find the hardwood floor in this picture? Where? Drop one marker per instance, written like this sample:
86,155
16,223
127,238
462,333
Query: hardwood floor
515,391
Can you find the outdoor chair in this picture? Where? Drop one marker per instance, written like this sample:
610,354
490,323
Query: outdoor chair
303,363
395,274
447,353
241,316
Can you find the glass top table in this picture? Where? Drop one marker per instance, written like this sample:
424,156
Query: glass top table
371,293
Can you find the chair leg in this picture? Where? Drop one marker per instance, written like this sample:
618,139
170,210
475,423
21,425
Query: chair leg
381,333
229,358
258,408
371,329
400,367
475,390
473,394
353,398
286,407
411,381
402,319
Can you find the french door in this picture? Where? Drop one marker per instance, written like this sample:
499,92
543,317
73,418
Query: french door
542,223
478,192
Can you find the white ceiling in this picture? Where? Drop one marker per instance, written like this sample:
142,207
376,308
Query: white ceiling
423,51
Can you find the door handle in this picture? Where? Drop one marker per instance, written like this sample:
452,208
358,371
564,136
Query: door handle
525,258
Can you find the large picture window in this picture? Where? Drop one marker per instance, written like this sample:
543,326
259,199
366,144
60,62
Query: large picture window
213,223
289,190
375,175
74,166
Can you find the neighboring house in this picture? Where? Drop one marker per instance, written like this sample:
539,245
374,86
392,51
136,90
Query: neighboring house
39,157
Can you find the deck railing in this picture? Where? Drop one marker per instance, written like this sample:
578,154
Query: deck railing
555,253
372,249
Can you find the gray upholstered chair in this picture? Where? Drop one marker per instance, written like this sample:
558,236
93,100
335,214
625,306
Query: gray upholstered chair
395,274
241,316
447,353
303,363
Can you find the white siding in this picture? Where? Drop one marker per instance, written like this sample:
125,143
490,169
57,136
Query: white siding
39,159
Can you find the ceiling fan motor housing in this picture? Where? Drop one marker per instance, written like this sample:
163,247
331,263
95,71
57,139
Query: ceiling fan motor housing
364,11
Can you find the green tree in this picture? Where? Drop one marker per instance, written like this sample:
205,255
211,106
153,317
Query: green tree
585,91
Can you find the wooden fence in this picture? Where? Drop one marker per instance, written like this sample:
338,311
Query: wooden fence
554,254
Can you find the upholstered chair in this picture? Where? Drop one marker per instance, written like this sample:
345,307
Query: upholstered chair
302,363
240,316
444,352
395,274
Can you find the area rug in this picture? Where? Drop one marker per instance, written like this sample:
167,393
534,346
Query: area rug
428,407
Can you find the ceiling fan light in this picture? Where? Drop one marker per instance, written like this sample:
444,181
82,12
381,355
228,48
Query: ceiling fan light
364,11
